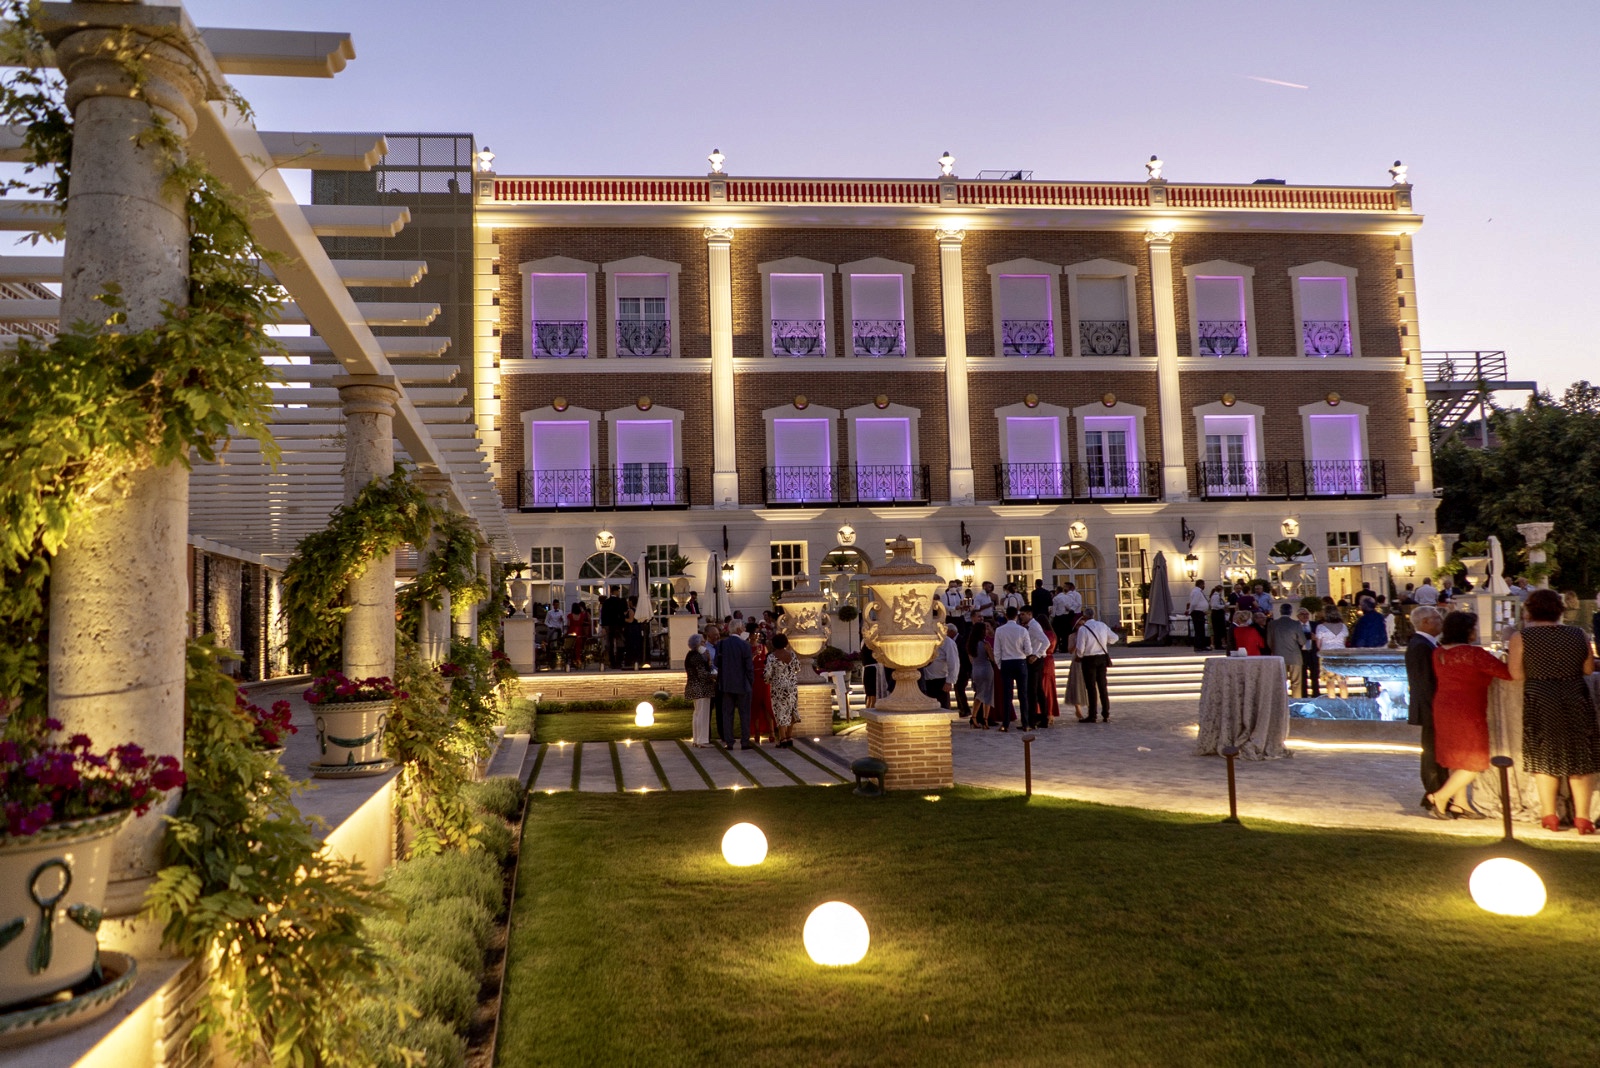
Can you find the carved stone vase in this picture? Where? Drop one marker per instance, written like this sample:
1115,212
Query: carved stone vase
904,624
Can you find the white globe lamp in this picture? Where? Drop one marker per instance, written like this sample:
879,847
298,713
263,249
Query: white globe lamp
744,845
1507,887
644,715
836,935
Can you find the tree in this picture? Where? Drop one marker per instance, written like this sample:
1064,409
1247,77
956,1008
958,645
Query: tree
1547,468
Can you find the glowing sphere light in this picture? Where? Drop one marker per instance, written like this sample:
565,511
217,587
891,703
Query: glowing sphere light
836,935
1507,887
744,845
644,715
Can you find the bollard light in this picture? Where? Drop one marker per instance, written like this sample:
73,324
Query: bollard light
644,715
836,935
1507,887
744,845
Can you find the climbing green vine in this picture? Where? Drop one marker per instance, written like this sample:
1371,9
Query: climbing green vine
450,567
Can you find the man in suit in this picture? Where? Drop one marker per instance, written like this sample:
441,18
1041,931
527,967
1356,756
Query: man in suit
736,679
613,614
1039,601
1286,638
1426,622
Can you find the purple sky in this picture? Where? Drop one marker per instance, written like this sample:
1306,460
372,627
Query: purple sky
1491,104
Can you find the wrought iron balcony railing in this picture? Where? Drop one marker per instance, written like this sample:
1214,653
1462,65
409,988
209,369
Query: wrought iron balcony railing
1027,337
1290,479
1078,482
879,337
862,484
603,488
1104,337
644,337
799,337
1326,337
1223,337
560,338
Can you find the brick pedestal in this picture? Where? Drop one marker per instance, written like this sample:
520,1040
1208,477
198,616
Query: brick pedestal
915,745
816,707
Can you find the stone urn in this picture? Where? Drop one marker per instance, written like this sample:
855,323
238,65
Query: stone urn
806,624
350,739
520,597
904,624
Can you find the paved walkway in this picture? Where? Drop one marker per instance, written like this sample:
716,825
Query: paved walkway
640,767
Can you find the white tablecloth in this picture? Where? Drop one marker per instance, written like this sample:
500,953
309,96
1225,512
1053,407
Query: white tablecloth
1244,703
1505,739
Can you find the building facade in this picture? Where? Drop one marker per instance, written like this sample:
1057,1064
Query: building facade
1051,380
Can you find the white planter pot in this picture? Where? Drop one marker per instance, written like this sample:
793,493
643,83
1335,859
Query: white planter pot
52,891
350,739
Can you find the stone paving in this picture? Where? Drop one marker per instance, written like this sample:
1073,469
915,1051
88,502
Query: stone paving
674,765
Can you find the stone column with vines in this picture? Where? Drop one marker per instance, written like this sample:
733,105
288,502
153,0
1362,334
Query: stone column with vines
369,628
433,629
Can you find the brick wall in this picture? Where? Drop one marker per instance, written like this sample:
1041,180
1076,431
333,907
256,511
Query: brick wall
1068,389
918,755
1376,296
755,393
689,393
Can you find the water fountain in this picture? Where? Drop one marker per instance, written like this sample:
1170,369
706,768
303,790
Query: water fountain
1385,697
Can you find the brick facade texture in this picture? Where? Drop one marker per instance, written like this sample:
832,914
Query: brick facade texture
918,756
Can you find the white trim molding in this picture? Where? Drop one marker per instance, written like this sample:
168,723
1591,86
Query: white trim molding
1223,269
1324,269
878,265
1130,288
642,265
555,265
798,265
1026,267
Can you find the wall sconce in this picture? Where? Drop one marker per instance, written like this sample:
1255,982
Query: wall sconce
1402,529
716,159
968,569
947,165
1187,533
727,577
1408,560
1191,566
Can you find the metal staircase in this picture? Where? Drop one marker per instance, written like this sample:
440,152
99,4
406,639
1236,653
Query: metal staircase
1458,383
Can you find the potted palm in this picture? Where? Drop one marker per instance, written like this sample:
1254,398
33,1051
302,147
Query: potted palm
351,718
62,804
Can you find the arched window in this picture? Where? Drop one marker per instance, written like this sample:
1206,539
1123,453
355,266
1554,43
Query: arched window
841,572
602,571
1078,564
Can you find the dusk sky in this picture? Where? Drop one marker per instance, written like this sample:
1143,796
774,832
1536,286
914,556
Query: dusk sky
1492,105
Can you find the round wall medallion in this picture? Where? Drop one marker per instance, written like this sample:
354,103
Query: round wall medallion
1229,400
1108,399
1333,400
881,400
1078,531
644,403
559,404
801,400
1031,400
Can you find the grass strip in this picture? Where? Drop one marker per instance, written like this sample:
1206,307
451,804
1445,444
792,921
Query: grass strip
661,773
803,755
798,781
616,765
577,765
694,762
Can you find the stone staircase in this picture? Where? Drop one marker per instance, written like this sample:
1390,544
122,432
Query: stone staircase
1131,678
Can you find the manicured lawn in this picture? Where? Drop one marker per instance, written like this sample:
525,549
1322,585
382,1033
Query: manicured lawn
612,726
1043,933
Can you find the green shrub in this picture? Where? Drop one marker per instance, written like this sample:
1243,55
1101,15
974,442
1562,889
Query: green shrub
495,837
520,717
1311,604
389,1041
501,795
441,988
457,912
471,875
625,704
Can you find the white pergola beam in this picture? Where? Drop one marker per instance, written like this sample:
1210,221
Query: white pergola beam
284,53
374,314
408,347
325,151
353,220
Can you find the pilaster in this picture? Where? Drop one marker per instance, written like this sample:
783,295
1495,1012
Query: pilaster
957,407
1411,349
1174,468
725,466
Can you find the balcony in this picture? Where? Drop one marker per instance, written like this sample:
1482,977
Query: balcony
799,337
644,337
1139,481
860,485
560,338
1027,337
1291,479
643,486
1104,337
878,337
1326,337
1223,337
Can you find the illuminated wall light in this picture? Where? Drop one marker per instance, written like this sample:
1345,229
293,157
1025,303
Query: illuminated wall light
744,845
1507,887
644,715
836,935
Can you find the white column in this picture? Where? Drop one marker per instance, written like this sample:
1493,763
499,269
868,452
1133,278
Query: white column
369,402
957,413
1174,470
1416,382
118,594
725,465
433,628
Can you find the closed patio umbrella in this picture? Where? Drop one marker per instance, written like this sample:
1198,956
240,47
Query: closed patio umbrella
714,604
1497,565
1158,623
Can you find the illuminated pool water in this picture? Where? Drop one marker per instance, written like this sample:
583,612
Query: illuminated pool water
1377,687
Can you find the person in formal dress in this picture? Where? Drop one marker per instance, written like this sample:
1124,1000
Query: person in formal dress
578,631
1426,594
1460,709
1264,601
1426,624
1560,736
1049,706
984,602
1199,607
980,651
1037,651
1310,662
936,677
1039,601
1371,630
735,683
1075,693
1245,634
1221,632
1013,598
700,686
1285,638
1072,599
782,674
1094,642
761,717
613,618
1013,645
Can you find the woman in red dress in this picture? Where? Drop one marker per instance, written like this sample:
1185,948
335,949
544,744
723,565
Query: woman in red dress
1246,636
1052,702
761,699
1461,712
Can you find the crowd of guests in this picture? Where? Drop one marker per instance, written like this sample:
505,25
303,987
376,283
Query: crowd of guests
749,679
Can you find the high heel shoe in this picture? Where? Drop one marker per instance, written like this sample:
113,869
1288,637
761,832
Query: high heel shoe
1553,823
1433,810
1583,826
